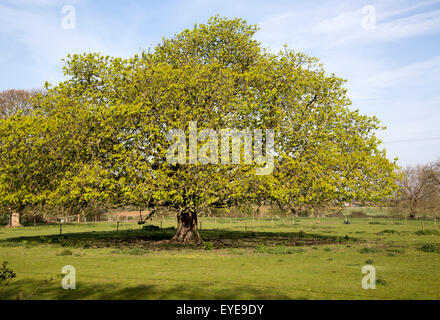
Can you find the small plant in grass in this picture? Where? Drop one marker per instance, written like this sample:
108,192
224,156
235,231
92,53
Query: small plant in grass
135,251
9,244
369,250
387,231
261,248
65,252
430,247
395,251
327,249
6,274
369,261
381,282
208,245
428,233
236,252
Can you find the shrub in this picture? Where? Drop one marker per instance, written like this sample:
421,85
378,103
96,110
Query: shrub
428,233
65,252
54,240
381,282
430,247
208,245
4,217
6,274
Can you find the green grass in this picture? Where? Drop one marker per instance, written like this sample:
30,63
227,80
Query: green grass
241,258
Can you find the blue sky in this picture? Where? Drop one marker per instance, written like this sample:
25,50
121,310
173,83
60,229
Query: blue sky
392,66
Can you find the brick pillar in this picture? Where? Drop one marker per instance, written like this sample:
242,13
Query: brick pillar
15,220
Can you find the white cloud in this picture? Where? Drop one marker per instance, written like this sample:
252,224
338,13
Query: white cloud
421,73
418,78
307,30
414,25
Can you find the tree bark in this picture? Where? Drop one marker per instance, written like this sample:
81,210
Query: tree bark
412,214
187,227
293,212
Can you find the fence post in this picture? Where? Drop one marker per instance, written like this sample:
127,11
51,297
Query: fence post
117,226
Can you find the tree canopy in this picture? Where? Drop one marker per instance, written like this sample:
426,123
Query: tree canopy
103,134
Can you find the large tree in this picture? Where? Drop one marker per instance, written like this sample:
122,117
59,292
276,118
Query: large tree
117,123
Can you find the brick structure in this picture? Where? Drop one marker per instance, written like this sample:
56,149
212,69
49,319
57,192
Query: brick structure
14,220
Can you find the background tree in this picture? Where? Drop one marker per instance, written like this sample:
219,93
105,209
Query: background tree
13,101
25,173
420,189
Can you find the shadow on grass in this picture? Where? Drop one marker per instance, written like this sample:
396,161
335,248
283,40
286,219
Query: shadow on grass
160,239
52,290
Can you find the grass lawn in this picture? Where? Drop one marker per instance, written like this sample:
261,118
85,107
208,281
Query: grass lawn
242,258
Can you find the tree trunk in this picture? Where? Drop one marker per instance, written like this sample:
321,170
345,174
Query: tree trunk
293,212
187,227
412,214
